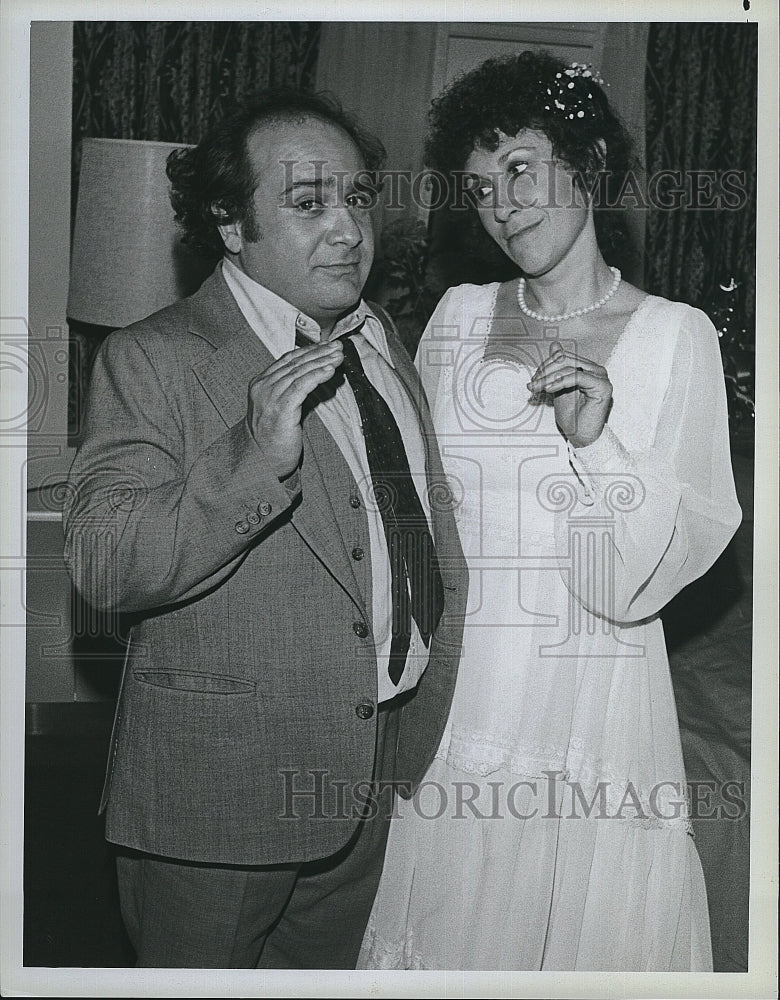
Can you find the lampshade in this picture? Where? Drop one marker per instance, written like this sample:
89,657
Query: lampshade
127,258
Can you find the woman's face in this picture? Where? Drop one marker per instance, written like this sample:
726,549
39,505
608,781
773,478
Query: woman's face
528,202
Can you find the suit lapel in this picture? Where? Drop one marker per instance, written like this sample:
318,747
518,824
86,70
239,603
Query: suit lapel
316,519
224,376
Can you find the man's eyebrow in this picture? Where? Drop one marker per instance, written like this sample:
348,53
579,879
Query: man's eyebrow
316,182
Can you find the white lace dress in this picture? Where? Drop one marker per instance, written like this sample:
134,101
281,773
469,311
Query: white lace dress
552,830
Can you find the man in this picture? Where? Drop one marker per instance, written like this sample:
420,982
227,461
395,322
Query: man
298,618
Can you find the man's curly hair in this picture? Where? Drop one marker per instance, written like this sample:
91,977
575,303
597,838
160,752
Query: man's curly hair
509,94
212,184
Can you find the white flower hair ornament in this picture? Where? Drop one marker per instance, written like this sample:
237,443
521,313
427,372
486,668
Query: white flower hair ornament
570,93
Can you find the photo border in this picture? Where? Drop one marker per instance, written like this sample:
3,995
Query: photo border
761,979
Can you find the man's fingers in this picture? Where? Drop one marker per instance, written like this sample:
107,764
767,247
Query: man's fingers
279,380
291,390
301,356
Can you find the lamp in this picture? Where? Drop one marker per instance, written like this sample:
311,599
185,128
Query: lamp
127,257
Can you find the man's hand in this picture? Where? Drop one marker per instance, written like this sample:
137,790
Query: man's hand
277,396
582,394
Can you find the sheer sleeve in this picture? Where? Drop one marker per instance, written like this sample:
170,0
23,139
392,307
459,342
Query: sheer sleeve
654,518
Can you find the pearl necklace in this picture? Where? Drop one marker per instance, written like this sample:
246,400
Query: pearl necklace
616,276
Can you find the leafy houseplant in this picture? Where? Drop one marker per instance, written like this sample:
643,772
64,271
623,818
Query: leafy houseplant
403,278
738,353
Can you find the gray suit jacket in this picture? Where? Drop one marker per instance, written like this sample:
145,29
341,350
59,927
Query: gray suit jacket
246,721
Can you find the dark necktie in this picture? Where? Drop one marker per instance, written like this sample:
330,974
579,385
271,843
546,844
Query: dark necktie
415,580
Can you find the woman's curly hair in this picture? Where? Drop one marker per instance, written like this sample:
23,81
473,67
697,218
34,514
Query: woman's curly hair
532,90
212,184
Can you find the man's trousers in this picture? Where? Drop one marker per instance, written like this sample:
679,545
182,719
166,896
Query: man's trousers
292,916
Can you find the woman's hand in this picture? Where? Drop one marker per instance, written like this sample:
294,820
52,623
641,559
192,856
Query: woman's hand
582,394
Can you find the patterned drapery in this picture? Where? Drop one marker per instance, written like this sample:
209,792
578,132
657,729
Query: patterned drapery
701,88
169,80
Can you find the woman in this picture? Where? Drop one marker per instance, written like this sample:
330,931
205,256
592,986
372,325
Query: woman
583,427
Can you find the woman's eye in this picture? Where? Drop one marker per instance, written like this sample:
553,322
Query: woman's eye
483,191
309,205
519,167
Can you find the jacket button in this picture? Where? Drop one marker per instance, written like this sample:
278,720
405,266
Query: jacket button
354,502
264,508
242,527
357,553
360,629
364,711
253,518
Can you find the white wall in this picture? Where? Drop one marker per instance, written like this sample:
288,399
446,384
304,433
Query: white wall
51,84
50,672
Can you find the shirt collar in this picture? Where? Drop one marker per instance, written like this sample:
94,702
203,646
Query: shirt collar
276,321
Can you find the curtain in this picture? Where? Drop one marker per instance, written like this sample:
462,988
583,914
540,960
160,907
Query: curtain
701,84
169,80
701,89
625,48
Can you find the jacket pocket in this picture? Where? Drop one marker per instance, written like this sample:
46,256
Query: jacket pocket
193,680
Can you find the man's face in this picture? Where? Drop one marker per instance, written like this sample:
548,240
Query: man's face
315,239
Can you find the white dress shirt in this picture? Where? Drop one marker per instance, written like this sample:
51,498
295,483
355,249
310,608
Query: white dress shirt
276,321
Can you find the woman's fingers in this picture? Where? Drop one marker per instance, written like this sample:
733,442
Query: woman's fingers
560,360
569,377
548,377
